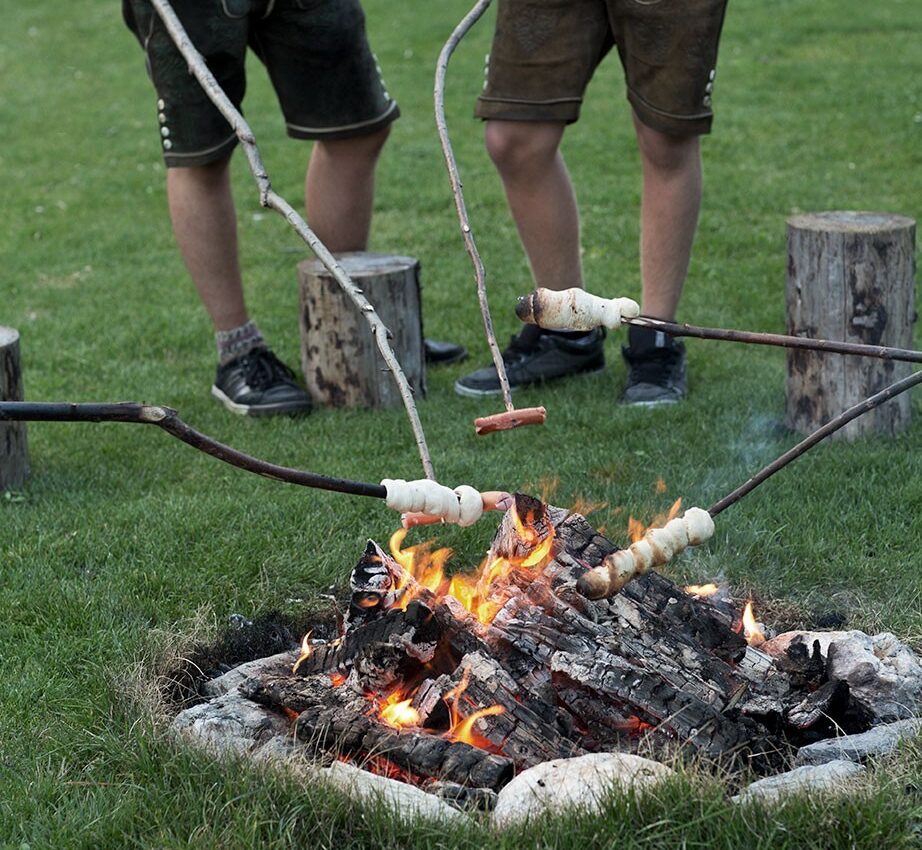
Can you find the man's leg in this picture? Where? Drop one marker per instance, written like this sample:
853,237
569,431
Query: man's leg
540,196
543,205
249,379
671,167
339,189
205,225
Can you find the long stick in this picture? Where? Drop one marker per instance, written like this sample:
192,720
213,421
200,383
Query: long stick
755,338
821,433
456,186
167,419
269,198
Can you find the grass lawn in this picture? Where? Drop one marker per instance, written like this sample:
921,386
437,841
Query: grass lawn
126,544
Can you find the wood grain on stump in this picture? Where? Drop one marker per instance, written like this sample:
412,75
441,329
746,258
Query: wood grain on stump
341,362
849,278
14,457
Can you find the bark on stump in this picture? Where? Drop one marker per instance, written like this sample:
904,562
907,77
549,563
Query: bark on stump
341,362
14,457
849,278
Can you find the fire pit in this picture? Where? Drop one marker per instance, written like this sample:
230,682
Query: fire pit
463,682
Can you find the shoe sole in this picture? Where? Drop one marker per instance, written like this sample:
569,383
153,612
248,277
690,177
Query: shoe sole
262,409
658,403
467,392
435,364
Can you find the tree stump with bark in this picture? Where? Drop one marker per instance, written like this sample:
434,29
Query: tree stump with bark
341,362
849,278
14,457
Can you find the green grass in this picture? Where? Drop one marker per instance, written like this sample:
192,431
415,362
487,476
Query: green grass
125,540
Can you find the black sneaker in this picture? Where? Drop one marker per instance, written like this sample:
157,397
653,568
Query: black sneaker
534,356
259,384
440,353
656,368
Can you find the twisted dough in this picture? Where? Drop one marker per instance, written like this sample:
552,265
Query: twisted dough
462,506
574,309
657,546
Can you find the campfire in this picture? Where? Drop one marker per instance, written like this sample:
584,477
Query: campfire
468,679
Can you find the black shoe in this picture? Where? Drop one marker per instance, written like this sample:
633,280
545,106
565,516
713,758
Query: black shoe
656,368
534,356
259,384
442,353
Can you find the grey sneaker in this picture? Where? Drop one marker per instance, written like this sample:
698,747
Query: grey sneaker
259,384
534,356
656,368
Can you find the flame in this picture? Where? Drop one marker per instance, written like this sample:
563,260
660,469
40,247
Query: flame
708,589
481,592
399,712
462,728
636,529
660,485
751,630
306,651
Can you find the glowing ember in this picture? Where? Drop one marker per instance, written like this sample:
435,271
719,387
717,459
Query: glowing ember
699,590
306,651
751,629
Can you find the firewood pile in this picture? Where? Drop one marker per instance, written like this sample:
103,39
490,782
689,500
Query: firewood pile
435,680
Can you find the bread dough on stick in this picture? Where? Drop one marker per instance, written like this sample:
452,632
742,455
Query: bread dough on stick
574,310
655,548
423,502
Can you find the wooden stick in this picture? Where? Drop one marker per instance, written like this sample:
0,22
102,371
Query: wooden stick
755,338
821,433
456,187
167,419
269,198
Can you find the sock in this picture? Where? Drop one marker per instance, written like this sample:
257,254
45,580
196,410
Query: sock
238,341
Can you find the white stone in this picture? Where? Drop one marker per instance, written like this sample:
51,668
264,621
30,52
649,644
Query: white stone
833,776
583,783
282,662
875,742
408,801
230,723
882,672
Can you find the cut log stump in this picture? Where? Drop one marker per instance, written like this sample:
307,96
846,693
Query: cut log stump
14,457
341,362
850,278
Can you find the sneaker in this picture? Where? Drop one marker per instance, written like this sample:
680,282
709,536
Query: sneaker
534,356
442,353
259,384
656,368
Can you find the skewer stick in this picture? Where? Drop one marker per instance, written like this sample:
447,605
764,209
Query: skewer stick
575,308
512,418
659,545
167,419
269,198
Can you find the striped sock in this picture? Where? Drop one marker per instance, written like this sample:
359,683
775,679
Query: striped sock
238,341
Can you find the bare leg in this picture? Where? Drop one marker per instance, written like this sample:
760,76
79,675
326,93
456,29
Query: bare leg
339,190
540,196
205,225
669,216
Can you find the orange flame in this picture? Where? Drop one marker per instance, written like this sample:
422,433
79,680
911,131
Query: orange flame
481,592
751,630
461,727
399,712
636,529
306,651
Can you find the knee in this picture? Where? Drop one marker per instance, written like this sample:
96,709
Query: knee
667,153
356,149
518,148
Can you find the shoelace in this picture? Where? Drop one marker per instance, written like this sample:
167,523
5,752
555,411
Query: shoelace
263,368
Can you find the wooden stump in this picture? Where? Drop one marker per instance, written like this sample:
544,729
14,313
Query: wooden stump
850,278
14,457
341,362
